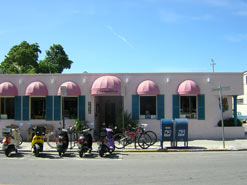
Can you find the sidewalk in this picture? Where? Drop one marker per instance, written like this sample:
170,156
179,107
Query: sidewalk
193,146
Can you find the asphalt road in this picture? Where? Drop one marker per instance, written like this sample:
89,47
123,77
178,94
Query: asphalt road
126,169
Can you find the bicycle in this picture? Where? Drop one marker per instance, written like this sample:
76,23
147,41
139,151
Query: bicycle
139,134
16,133
17,136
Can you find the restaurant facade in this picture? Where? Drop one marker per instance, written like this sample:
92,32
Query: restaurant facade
99,98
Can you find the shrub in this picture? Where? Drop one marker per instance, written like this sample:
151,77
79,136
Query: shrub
128,121
80,125
230,123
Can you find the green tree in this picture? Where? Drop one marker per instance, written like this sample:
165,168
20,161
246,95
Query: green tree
56,60
22,58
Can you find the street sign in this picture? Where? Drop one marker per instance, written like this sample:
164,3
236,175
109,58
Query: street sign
63,91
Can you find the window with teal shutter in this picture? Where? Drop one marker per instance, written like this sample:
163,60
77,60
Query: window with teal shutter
18,108
175,106
49,107
82,107
161,106
201,106
57,108
135,107
25,100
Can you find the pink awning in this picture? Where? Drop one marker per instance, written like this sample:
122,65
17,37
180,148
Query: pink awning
36,89
148,87
72,89
8,89
188,87
106,85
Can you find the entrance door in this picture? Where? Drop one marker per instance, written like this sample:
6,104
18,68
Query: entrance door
110,114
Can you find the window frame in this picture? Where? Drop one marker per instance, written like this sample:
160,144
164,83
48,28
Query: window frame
5,105
77,107
196,108
142,117
30,107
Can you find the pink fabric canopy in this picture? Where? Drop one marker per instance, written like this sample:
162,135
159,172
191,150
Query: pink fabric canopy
188,87
36,89
8,89
106,85
148,87
72,89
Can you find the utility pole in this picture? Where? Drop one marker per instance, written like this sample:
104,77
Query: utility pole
213,64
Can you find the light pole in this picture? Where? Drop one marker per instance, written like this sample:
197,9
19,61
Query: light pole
213,64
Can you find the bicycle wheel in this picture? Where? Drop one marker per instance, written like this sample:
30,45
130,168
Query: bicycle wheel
120,140
20,140
144,141
153,136
52,139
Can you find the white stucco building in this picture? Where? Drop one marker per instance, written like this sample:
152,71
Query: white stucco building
242,100
100,98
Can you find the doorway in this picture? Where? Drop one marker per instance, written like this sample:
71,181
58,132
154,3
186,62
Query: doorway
107,109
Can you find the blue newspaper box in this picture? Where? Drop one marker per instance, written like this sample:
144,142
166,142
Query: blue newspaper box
181,131
167,131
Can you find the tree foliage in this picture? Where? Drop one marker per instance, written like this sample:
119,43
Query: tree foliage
21,58
56,60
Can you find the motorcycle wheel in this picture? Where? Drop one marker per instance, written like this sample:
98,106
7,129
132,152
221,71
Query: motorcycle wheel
81,154
60,154
101,152
7,152
36,153
16,151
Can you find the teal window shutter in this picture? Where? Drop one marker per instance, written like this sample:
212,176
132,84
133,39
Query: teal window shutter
82,107
25,115
161,106
201,106
175,106
17,107
57,108
49,107
135,107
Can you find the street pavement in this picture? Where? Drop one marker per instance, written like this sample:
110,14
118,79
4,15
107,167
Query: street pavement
193,146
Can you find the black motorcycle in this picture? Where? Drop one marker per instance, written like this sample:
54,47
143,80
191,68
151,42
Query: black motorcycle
62,142
85,142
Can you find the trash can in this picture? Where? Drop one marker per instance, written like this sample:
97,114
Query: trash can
181,131
167,131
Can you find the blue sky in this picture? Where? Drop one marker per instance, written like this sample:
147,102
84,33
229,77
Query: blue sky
108,36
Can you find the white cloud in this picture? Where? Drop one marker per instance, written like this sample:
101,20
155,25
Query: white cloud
76,11
170,17
236,37
202,17
173,17
2,32
121,37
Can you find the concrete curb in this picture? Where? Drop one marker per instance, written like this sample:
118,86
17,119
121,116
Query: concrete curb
150,150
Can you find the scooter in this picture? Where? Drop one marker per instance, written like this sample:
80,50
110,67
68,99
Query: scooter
38,140
62,142
105,142
9,143
85,142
